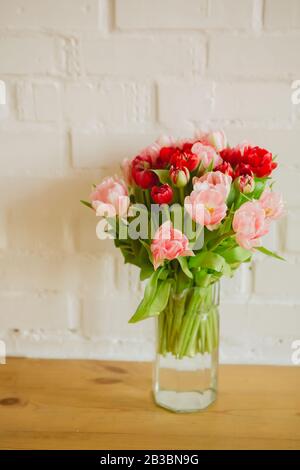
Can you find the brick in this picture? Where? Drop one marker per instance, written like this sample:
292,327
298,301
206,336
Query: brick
266,320
119,103
94,149
44,233
254,56
47,103
284,282
236,289
112,324
292,240
32,55
253,101
35,221
84,231
282,14
20,271
171,14
35,152
97,272
281,142
287,179
57,14
143,56
261,336
33,311
38,101
183,101
233,317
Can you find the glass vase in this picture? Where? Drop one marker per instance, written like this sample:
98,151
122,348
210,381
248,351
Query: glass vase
187,350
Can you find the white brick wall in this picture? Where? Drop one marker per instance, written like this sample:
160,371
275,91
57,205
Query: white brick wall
89,83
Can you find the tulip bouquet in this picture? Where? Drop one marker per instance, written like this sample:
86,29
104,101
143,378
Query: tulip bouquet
187,213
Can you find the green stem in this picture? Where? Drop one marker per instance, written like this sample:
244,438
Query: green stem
191,347
189,323
147,198
202,335
220,239
209,341
215,326
181,195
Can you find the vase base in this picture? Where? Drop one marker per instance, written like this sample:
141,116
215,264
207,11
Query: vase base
185,402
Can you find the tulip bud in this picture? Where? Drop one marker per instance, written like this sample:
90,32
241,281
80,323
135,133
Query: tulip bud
162,194
179,176
245,184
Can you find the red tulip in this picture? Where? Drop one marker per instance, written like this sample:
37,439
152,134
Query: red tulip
260,160
232,155
164,158
225,168
185,158
141,172
243,169
162,194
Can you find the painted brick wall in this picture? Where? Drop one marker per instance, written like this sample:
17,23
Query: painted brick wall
92,81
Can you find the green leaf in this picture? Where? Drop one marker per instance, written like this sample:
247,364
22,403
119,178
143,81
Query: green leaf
242,199
209,260
147,248
232,195
128,256
163,175
202,278
149,295
210,167
183,282
146,271
236,255
161,298
182,260
260,184
86,203
267,252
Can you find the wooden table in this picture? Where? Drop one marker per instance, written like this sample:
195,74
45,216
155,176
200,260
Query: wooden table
58,404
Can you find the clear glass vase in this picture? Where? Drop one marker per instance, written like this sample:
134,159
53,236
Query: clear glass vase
187,350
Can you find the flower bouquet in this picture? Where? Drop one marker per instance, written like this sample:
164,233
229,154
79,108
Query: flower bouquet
187,213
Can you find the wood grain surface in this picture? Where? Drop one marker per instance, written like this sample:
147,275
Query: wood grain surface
80,404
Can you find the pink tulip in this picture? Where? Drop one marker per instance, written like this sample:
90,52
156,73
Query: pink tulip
250,224
272,204
110,198
127,171
216,139
169,243
207,155
206,207
214,180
